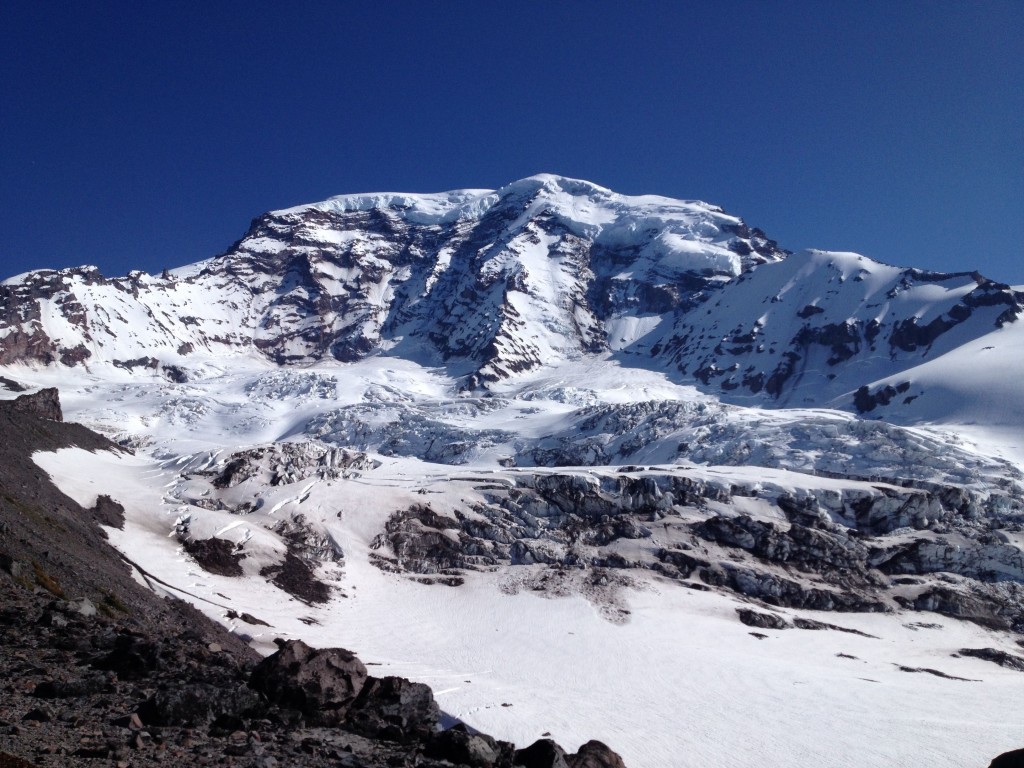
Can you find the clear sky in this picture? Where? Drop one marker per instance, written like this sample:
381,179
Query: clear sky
148,134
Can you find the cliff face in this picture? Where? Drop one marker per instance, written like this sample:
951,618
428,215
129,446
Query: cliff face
45,404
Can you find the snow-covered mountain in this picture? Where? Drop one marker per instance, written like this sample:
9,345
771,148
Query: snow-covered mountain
491,283
414,411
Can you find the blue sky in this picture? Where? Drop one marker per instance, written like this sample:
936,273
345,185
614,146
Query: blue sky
149,134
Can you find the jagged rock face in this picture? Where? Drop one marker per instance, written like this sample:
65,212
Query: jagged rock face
45,404
806,552
846,546
501,281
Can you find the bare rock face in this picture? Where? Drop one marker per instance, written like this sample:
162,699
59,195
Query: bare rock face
11,385
762,620
215,556
45,404
108,512
457,274
1002,658
322,684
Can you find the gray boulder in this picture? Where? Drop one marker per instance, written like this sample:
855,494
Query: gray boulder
321,683
395,709
460,746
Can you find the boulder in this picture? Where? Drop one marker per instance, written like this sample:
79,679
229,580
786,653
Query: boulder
1014,759
595,754
394,708
460,746
321,683
543,753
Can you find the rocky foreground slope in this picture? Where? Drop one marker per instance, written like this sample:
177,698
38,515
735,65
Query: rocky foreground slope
96,667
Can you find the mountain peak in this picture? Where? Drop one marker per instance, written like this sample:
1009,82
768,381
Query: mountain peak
550,183
492,284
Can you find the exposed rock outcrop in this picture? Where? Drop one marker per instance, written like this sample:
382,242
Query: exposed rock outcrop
45,404
832,551
321,684
1013,759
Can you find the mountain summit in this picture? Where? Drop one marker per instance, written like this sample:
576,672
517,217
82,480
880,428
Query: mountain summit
491,284
488,282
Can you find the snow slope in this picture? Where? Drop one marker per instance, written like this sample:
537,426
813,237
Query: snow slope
681,683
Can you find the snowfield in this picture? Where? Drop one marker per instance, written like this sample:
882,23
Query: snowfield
681,682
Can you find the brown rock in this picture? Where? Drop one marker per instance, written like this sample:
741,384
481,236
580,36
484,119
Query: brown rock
45,404
595,754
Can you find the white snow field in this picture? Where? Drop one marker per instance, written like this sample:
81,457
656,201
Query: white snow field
680,682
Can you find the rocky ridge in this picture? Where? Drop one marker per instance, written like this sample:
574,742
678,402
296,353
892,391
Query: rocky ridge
457,277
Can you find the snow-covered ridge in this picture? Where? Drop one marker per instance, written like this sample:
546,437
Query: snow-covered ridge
492,284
